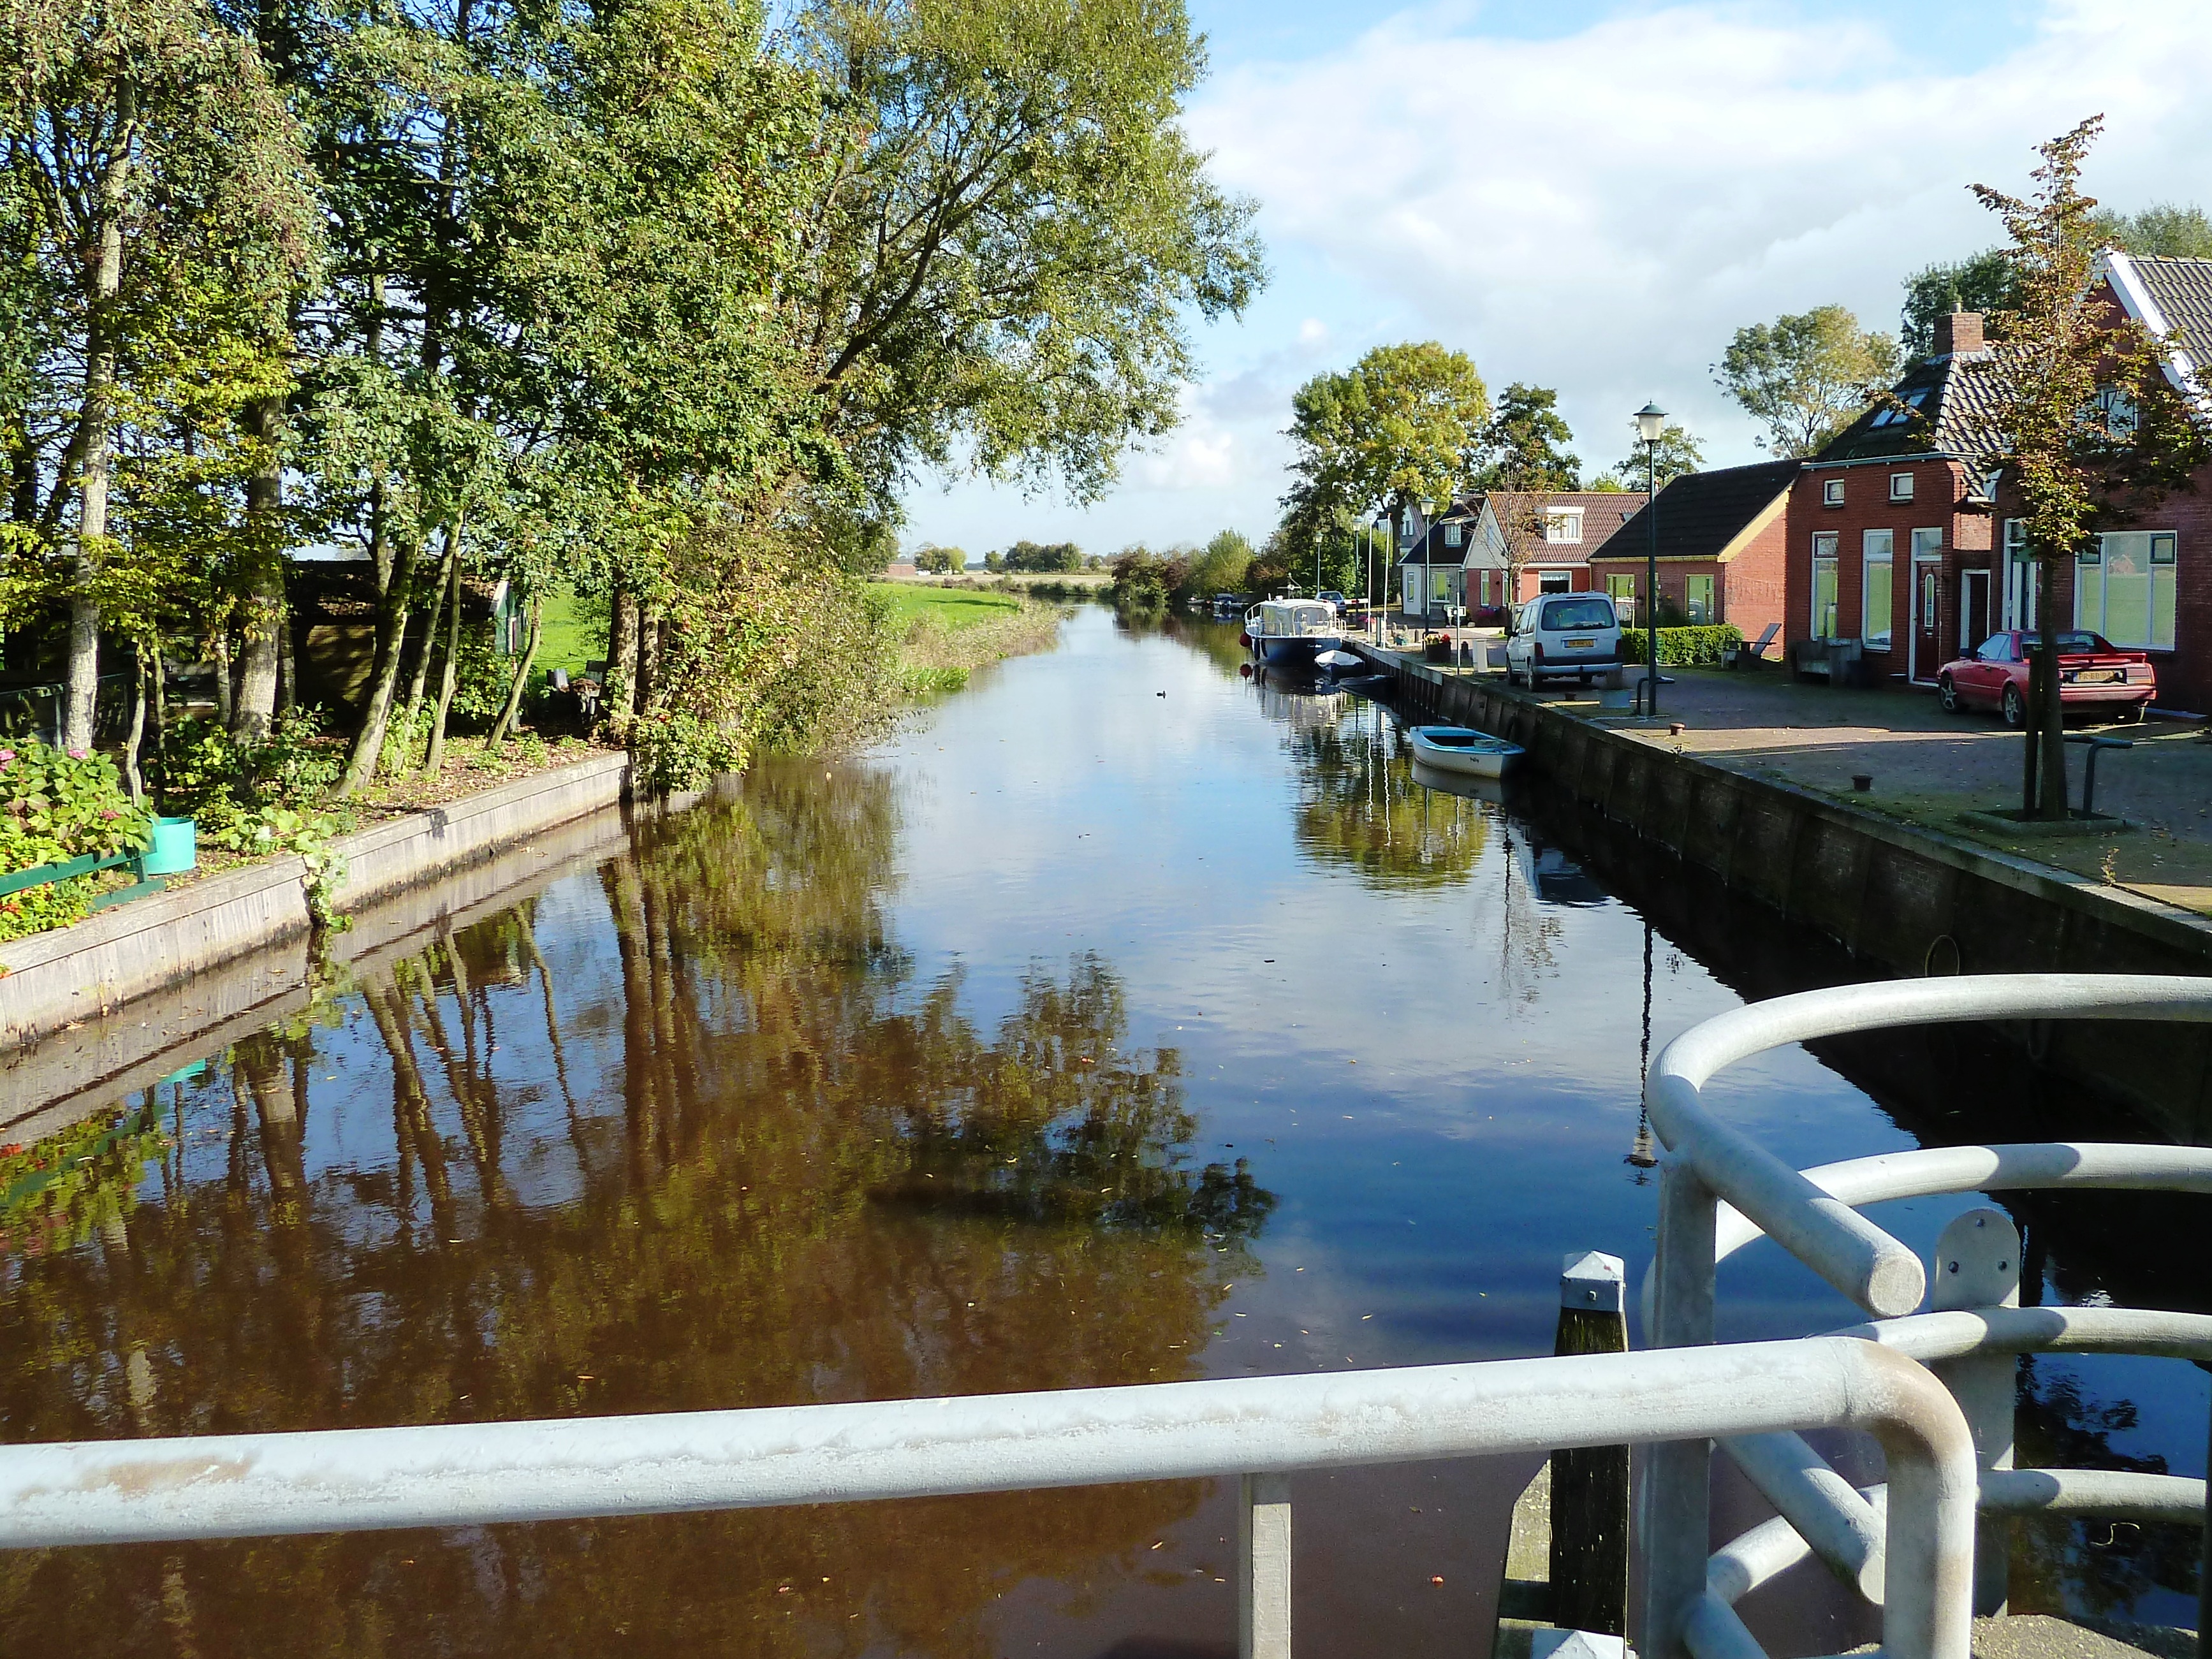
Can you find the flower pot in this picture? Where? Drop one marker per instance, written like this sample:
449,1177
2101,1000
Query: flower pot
175,848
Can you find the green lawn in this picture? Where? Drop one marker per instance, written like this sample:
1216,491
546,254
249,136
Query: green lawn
956,607
570,640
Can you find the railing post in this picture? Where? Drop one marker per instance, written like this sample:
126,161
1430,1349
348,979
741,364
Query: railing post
1978,1266
1263,1567
1675,1515
1590,1487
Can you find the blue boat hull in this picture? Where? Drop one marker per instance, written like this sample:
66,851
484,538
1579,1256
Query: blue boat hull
1297,652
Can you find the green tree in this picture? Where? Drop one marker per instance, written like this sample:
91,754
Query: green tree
1011,232
2090,425
940,561
157,212
1523,446
1401,426
1676,453
1985,283
1806,377
1031,557
1221,565
2166,230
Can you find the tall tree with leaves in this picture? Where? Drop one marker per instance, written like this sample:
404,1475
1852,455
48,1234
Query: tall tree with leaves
1523,446
1677,452
1399,426
1986,284
2093,426
1806,377
156,196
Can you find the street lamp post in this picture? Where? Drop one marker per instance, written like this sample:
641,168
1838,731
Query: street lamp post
1650,421
1374,623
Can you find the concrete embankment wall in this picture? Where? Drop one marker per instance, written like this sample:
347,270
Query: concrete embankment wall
253,924
1911,901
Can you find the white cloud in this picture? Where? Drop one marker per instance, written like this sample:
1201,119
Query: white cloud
1599,211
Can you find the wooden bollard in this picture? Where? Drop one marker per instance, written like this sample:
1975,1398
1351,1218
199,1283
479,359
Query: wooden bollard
1589,1487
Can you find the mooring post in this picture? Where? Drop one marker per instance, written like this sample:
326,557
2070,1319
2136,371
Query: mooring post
1978,1266
1673,1517
1263,1567
1589,1487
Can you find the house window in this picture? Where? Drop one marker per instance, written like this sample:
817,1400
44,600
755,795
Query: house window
1901,486
1563,527
1452,534
2124,588
1621,590
1824,586
1698,600
1832,492
1877,594
1555,582
1928,543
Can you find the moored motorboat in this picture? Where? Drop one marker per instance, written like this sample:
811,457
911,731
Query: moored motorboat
1459,749
1291,633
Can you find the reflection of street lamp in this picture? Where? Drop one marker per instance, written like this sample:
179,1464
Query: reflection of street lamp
1650,421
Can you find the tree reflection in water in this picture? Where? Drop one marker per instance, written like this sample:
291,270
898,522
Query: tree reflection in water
1360,807
757,1164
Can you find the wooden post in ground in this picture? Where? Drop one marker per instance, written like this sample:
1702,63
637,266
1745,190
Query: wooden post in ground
1589,1487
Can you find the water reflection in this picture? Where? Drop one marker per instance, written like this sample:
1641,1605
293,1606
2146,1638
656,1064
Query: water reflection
689,1133
1363,807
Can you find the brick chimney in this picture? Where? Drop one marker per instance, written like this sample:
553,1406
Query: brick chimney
1960,332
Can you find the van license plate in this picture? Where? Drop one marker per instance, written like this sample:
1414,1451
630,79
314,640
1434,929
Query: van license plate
1580,644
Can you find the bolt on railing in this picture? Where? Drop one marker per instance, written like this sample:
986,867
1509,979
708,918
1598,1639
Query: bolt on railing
1719,1190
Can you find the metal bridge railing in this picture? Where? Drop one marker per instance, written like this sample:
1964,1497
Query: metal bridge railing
1263,1429
1720,1190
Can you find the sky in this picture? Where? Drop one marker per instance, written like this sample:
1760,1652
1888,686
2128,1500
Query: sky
1594,197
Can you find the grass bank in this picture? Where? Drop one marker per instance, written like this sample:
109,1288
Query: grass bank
946,634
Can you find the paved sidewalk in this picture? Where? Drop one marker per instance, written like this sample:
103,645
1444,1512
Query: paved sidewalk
1929,767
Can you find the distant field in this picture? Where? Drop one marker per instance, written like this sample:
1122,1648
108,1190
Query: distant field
955,607
570,640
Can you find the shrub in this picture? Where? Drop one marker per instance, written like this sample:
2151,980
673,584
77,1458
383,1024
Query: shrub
1684,647
55,806
681,751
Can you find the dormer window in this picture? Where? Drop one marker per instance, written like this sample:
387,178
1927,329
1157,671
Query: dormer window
1452,533
1901,486
1891,415
2117,410
1565,526
1832,492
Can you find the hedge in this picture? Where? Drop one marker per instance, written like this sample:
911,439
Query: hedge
1684,647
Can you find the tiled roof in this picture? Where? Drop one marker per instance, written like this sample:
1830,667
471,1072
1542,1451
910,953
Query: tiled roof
1952,399
2182,290
1701,512
1604,511
1464,510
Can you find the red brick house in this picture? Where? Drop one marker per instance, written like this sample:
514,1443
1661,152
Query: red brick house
1723,541
1549,535
1900,535
1891,527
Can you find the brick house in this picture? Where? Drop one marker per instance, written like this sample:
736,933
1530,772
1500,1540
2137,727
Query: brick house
2146,582
1723,540
1891,527
1549,534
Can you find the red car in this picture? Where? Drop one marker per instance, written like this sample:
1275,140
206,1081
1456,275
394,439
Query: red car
2093,674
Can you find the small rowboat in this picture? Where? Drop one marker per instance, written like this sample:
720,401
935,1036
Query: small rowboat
1456,748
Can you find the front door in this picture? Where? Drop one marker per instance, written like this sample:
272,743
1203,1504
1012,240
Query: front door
1927,620
1973,610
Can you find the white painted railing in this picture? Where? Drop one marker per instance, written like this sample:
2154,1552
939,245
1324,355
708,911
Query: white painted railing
1263,1429
1720,1190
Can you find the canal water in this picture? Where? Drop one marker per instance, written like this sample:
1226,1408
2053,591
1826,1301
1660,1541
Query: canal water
1125,1020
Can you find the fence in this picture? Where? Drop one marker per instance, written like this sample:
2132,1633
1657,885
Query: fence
1719,1190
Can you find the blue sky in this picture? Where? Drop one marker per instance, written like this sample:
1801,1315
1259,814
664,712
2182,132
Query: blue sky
1594,197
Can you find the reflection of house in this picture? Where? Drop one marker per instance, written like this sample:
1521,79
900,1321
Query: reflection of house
1723,539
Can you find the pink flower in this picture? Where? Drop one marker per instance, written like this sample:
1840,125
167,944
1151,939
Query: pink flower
6,755
76,754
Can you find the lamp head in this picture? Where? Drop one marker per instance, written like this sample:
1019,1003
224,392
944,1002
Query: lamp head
1650,421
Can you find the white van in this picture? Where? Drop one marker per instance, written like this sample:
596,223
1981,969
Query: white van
1563,635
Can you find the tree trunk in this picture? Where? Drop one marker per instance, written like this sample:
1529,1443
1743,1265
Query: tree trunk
648,657
98,426
384,676
618,697
508,716
262,617
130,774
2051,793
379,518
161,708
412,714
436,757
221,646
